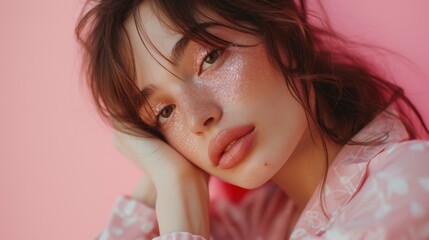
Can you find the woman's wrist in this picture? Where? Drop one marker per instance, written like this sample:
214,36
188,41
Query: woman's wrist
182,205
145,192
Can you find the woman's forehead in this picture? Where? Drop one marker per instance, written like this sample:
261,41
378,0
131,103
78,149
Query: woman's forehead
149,30
154,42
158,23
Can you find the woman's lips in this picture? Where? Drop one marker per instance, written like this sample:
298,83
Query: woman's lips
231,146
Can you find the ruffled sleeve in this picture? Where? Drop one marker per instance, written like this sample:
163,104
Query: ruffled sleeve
130,220
133,220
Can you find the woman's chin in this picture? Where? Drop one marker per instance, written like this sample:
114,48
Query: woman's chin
249,182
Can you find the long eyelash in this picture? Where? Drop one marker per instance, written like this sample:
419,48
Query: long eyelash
158,114
217,49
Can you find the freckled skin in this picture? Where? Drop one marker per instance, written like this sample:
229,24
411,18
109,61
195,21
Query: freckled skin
241,87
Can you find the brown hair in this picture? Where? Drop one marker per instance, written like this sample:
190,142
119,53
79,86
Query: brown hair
348,94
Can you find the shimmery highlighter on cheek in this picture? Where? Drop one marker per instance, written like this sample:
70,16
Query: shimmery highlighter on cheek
233,80
228,80
179,136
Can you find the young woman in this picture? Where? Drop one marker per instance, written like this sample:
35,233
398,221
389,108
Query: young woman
253,93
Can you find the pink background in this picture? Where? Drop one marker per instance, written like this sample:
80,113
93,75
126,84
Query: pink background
59,174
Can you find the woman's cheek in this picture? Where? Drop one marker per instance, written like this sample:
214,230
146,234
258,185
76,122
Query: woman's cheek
226,81
178,136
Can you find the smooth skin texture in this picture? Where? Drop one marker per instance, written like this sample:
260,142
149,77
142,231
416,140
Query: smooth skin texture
203,92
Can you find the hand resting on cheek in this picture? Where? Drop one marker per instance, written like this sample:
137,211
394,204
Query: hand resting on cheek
180,186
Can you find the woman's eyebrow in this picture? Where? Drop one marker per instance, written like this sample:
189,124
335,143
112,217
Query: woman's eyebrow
148,91
176,53
179,48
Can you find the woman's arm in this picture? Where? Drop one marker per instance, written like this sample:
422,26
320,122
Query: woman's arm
145,192
181,200
182,204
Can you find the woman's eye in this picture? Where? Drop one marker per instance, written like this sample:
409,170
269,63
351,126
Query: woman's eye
210,59
166,112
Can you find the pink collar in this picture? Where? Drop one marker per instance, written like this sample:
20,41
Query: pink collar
348,171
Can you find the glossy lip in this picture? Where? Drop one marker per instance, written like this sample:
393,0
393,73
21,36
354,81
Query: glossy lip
243,140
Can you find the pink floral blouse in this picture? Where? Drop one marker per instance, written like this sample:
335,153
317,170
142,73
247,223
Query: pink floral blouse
371,192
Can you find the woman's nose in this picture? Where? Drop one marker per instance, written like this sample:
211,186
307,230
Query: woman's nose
201,113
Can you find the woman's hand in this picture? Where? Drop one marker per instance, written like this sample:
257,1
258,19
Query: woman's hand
154,157
182,199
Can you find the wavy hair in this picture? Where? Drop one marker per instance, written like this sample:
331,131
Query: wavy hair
347,92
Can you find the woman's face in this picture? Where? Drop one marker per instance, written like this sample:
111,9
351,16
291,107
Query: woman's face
227,110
